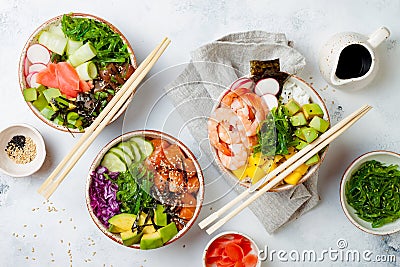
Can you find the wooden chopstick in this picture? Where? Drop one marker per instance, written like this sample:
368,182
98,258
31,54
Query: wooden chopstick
50,185
288,167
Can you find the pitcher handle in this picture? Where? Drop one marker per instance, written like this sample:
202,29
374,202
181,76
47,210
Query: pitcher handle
378,36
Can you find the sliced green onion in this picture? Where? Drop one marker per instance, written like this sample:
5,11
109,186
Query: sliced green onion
84,53
87,71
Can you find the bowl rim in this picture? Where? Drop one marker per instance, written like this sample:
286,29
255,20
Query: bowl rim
346,176
313,168
31,39
41,143
255,246
153,133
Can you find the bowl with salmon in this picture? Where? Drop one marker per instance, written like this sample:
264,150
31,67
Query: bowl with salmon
71,67
145,189
261,121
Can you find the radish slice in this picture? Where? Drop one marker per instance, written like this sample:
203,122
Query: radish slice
267,86
37,53
270,100
36,67
243,83
31,80
27,64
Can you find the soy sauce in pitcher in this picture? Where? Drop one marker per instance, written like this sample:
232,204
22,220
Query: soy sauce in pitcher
354,61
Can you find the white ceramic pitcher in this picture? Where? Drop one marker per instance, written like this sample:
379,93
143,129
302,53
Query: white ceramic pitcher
348,61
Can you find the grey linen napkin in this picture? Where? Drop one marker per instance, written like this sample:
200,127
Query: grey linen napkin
212,69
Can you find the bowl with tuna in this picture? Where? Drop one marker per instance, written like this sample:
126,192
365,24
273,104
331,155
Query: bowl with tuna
71,67
145,189
261,121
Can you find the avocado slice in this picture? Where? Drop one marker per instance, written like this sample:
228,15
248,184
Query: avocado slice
313,160
123,221
310,134
298,143
292,107
312,110
298,119
160,217
299,133
168,232
129,238
47,112
142,221
51,93
151,241
40,103
115,229
319,124
30,94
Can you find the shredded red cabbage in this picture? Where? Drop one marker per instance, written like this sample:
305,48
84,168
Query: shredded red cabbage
102,193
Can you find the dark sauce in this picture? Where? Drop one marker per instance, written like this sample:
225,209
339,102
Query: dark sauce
354,61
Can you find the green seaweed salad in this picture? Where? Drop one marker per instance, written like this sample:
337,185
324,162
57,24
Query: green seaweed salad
374,192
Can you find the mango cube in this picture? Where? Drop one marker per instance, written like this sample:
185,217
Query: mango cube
240,173
293,178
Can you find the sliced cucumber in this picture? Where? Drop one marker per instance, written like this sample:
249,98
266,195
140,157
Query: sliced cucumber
136,151
54,42
113,163
126,147
122,155
146,147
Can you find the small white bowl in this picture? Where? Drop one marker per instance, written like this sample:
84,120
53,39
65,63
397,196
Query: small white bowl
253,243
386,157
13,169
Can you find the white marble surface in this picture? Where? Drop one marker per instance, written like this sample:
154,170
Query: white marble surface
61,233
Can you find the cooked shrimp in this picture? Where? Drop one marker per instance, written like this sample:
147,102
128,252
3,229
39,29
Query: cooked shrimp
228,133
239,158
214,138
228,99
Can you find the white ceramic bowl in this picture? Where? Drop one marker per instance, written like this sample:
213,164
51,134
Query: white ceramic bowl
154,134
315,98
34,39
13,169
227,233
385,157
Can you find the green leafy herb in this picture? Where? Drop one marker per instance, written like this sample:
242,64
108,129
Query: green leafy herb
134,188
374,192
275,133
108,44
267,137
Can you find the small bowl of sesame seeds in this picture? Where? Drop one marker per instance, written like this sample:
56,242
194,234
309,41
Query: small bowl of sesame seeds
22,150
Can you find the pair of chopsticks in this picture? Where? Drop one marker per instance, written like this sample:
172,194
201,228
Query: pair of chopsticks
281,172
129,87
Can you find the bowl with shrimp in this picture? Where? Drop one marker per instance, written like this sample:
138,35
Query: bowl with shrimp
258,123
145,189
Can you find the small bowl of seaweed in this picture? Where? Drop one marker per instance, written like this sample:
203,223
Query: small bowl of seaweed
370,192
71,67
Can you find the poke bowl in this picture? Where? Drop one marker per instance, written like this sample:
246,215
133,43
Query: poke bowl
71,67
145,189
262,120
